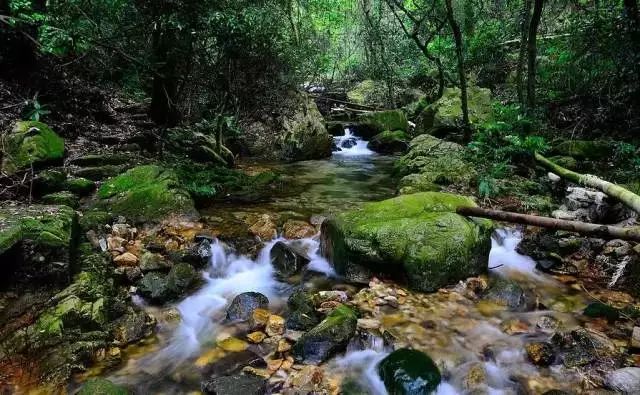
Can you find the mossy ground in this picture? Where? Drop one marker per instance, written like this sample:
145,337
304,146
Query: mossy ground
31,143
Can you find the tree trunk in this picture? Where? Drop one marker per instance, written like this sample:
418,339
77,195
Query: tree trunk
457,35
532,50
164,109
624,195
600,231
522,56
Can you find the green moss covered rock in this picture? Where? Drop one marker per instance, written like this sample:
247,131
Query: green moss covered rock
146,193
389,142
99,386
445,115
418,236
409,372
80,186
64,198
160,288
372,123
432,162
368,93
30,143
330,336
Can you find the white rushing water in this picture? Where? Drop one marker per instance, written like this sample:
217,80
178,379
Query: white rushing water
351,145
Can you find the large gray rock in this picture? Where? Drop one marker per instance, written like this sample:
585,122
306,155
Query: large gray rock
625,380
298,133
243,305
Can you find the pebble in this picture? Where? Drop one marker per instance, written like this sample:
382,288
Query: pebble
233,344
275,325
256,337
283,346
259,318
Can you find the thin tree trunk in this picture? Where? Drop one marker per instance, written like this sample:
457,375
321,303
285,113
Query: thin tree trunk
522,56
163,110
457,35
601,231
624,195
532,50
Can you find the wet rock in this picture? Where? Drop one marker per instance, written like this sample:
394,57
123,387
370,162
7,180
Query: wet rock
233,363
256,337
298,230
150,262
238,384
302,314
635,337
540,353
625,380
507,293
547,323
409,372
259,318
198,255
38,241
411,235
328,337
583,346
98,386
161,288
287,260
126,259
372,123
132,326
556,392
389,142
349,143
322,297
233,344
146,193
243,305
30,143
582,204
601,310
275,325
264,228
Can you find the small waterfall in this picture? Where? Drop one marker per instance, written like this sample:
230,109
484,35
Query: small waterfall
351,145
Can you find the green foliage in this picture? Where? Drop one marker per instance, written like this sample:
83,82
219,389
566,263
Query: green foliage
34,110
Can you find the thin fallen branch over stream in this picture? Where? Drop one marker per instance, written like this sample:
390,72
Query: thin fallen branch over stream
600,231
624,195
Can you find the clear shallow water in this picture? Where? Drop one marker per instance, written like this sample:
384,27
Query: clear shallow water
463,332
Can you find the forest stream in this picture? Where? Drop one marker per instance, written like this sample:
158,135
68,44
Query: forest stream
477,343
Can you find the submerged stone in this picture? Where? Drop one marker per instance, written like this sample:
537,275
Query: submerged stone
30,143
409,372
328,337
238,384
416,236
99,386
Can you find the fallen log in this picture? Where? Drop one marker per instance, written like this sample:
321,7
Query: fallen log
584,228
624,195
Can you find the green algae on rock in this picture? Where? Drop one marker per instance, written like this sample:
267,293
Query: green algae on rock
331,335
99,386
409,372
389,142
146,193
431,163
30,143
64,198
417,235
372,123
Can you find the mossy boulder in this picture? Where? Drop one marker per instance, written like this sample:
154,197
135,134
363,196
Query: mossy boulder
409,372
331,335
161,288
585,149
371,123
297,133
99,386
94,160
64,198
389,142
302,312
146,193
38,240
80,186
445,115
432,162
417,236
30,143
368,93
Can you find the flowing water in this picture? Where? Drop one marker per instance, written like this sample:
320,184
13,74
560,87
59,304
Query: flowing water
457,332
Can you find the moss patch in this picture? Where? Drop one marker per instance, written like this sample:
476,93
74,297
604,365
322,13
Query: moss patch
419,235
49,226
30,143
146,193
372,123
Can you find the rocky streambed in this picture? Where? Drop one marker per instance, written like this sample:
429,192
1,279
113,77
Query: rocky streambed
331,285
